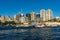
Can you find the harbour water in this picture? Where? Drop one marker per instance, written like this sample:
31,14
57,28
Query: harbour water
47,33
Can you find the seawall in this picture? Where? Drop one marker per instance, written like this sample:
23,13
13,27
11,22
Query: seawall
52,23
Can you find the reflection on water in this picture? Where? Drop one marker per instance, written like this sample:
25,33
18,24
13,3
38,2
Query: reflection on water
31,34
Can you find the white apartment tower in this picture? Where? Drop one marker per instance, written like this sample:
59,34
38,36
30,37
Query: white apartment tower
49,14
43,15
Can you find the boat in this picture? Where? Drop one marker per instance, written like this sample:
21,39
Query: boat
39,25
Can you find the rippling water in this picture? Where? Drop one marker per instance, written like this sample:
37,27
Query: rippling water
47,33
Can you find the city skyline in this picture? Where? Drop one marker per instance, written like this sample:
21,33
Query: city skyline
12,7
44,15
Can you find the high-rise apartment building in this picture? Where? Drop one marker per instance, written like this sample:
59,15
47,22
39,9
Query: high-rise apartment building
28,15
49,14
33,16
43,15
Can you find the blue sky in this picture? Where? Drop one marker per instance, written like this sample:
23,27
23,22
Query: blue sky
11,7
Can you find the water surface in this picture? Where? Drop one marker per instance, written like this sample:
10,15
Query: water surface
47,33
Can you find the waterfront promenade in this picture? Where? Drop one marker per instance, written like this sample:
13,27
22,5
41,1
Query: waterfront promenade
52,23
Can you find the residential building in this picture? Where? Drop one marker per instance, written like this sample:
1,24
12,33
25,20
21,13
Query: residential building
2,19
28,15
33,16
49,15
43,15
7,18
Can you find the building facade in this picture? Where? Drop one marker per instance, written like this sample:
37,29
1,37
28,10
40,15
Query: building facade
43,15
28,15
7,18
49,15
15,17
33,16
2,19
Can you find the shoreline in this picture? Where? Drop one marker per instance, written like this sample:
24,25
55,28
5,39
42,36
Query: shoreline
46,23
52,23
